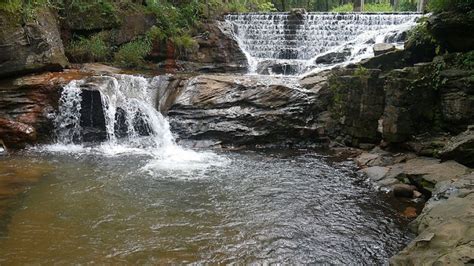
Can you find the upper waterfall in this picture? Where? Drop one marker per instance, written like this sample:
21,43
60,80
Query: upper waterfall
288,43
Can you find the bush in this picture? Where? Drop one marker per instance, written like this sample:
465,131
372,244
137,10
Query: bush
11,6
406,5
343,8
378,7
132,54
437,6
94,49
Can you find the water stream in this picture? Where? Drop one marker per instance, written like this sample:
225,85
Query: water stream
134,196
291,44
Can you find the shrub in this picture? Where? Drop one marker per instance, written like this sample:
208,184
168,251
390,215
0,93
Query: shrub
378,7
406,5
343,8
94,49
132,54
437,6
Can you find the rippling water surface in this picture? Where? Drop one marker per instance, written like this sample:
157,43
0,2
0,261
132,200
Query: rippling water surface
253,206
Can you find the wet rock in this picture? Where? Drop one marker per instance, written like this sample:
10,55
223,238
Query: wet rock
16,134
403,190
460,148
376,173
444,227
333,57
238,110
410,212
32,46
428,170
27,105
383,48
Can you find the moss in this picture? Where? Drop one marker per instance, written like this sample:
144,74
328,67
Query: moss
361,71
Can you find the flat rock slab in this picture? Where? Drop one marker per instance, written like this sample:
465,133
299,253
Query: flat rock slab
431,170
376,173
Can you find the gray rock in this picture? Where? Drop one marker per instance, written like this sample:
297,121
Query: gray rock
375,173
460,148
383,48
30,47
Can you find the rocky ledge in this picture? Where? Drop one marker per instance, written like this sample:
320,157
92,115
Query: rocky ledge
445,225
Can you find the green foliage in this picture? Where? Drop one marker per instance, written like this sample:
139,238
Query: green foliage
343,8
11,6
406,5
420,35
133,54
361,71
378,7
94,49
437,6
368,7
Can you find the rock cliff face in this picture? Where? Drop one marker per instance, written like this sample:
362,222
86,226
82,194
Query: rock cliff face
32,46
27,105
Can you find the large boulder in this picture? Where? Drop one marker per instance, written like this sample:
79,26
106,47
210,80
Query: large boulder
454,30
32,46
460,148
217,51
245,110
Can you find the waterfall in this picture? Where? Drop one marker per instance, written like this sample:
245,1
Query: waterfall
129,113
292,43
67,122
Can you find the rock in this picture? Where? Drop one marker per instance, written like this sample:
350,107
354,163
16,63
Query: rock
375,173
277,67
32,46
3,148
387,61
428,170
333,57
132,26
383,48
405,114
460,148
417,194
456,98
403,190
455,30
410,212
217,51
27,105
245,110
357,104
16,134
444,227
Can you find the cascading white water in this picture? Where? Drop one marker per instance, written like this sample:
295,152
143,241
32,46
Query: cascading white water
128,104
295,41
67,122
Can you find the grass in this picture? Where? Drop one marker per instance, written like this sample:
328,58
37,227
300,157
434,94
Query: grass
133,54
94,49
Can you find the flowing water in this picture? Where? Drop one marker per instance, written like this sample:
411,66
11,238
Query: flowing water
131,195
295,42
232,207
